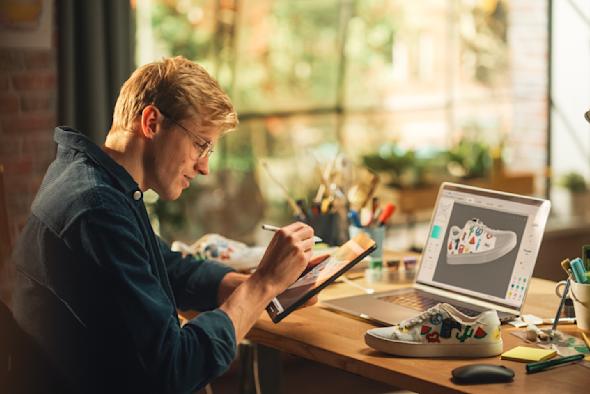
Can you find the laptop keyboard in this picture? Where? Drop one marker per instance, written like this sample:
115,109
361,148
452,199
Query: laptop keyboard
421,302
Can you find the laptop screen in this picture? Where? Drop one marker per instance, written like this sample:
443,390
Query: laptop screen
483,243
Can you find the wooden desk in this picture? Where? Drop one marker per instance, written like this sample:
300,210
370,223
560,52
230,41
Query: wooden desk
337,340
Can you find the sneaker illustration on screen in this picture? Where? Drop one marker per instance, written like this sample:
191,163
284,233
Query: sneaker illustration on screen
476,243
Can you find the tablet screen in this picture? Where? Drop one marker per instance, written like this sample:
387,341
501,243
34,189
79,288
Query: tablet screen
312,281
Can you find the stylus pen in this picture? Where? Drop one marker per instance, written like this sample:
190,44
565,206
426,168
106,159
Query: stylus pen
272,228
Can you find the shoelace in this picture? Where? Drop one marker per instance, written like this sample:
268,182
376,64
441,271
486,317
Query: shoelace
420,318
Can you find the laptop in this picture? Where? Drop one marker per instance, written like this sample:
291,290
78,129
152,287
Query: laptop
480,254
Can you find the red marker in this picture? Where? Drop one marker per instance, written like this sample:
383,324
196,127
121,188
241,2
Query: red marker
386,214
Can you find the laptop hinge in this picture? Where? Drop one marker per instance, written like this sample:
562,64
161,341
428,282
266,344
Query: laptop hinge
466,299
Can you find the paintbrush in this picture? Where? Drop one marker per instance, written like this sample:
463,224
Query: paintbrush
296,208
565,264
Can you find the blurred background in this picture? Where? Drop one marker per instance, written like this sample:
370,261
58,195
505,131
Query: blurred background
405,82
339,101
484,92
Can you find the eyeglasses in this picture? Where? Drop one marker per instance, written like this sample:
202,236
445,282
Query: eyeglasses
204,148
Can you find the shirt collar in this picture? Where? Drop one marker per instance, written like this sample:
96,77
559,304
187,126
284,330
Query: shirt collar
70,138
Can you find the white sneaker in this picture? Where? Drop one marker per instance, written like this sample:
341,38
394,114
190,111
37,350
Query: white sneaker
476,243
441,331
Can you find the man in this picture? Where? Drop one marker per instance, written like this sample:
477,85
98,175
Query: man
97,289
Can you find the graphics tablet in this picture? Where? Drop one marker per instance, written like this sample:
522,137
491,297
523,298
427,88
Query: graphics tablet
311,282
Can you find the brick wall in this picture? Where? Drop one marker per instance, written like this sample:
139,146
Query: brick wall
28,115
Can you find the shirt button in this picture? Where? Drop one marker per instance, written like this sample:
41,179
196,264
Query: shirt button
137,195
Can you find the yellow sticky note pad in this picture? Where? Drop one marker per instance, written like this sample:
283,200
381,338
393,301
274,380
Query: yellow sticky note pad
527,354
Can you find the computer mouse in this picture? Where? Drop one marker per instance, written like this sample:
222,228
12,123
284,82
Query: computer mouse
482,373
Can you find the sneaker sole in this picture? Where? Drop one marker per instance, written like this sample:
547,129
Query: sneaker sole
408,349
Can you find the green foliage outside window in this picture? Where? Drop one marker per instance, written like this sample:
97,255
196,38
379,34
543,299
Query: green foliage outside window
307,75
289,59
182,34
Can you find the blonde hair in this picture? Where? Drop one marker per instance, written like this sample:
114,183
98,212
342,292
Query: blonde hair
179,88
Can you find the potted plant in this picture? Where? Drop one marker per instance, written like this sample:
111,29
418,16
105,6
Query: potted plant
576,184
469,159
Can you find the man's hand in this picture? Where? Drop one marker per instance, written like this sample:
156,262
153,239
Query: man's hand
286,257
232,280
284,260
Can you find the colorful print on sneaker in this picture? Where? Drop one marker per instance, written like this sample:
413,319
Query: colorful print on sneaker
476,243
441,331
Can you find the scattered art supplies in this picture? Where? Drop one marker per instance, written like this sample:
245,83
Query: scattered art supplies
215,247
563,343
528,354
569,348
235,254
326,213
363,191
337,195
367,215
579,280
578,271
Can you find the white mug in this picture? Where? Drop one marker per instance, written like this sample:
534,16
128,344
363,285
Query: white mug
580,293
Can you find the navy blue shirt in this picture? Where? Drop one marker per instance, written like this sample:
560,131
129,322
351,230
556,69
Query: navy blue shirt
99,291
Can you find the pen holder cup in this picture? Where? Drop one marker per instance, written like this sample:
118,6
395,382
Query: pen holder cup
330,227
377,234
580,293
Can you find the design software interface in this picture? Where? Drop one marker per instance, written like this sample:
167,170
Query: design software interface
483,244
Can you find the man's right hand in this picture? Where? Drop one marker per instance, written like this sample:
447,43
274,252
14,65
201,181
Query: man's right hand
286,257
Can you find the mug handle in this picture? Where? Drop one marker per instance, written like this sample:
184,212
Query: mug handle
558,286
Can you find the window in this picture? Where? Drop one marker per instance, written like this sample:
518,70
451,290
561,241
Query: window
312,78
